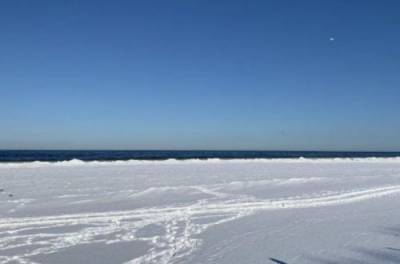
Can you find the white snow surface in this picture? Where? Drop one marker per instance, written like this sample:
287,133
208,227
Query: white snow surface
201,211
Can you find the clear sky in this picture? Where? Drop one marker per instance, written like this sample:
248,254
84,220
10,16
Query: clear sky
199,74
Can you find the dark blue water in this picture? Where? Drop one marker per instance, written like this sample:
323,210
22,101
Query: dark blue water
107,155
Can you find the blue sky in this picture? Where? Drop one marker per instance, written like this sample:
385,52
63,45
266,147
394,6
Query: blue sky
200,75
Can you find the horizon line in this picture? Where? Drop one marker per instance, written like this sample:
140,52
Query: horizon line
204,150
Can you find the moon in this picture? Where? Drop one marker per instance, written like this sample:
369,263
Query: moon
331,39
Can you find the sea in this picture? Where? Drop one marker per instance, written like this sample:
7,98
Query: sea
114,155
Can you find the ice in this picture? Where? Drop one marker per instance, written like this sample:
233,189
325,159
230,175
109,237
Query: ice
201,211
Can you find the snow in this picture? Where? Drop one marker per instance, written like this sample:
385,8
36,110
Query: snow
201,211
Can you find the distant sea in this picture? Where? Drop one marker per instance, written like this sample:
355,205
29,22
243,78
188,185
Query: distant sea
112,155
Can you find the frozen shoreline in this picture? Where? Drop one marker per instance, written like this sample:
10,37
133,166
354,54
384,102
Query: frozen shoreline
172,161
173,213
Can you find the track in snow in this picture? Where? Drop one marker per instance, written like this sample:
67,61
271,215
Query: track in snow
177,227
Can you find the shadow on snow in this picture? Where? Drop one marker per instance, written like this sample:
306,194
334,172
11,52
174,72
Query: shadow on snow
365,255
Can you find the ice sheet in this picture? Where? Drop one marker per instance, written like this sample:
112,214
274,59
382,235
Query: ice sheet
198,211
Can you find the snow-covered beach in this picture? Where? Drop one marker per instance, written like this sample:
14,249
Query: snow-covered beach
201,211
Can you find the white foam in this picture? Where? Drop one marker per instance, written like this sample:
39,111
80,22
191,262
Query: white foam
133,162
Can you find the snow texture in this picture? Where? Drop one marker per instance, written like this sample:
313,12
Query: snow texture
201,211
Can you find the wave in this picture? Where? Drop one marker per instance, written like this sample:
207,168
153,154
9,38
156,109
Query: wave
133,162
